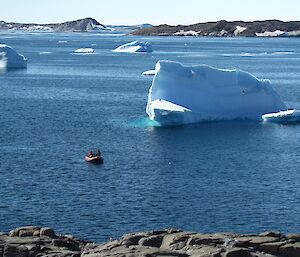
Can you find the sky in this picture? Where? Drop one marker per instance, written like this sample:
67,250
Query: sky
173,12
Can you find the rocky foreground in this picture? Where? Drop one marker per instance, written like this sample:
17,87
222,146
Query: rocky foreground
37,241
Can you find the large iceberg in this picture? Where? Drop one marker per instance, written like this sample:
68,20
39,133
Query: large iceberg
135,47
181,94
10,59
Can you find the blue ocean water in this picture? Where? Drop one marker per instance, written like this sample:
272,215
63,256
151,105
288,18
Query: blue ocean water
223,176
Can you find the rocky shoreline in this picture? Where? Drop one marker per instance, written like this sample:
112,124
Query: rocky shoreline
42,241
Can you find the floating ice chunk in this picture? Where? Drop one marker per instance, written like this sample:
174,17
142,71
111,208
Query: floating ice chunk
45,52
135,47
149,73
289,116
203,93
284,52
84,51
10,59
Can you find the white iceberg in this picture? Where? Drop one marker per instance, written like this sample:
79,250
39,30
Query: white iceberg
180,95
45,52
10,59
289,116
149,73
84,51
135,47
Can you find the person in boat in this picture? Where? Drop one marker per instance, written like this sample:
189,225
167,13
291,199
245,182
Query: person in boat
91,154
98,154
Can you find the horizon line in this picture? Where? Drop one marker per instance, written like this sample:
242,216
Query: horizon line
170,24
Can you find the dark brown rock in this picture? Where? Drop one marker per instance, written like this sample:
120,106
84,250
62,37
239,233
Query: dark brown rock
158,232
290,250
49,232
272,248
66,243
204,251
293,236
27,240
178,246
255,241
205,239
132,239
61,254
261,254
271,234
24,231
15,251
33,250
174,238
3,238
238,252
152,241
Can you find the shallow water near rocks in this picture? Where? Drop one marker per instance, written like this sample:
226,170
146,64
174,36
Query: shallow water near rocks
224,176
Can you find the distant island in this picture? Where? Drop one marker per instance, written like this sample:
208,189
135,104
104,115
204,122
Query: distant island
223,28
81,25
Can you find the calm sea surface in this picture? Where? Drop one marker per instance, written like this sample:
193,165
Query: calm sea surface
225,176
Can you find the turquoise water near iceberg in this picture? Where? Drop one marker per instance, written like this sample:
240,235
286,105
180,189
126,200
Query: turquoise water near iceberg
224,176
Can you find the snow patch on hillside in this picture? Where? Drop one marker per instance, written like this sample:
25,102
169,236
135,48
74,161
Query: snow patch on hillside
239,30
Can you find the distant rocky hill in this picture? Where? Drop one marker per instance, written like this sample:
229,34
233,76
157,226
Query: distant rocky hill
82,25
223,28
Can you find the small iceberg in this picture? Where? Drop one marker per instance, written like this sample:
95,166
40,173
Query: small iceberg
286,117
10,59
45,52
84,51
149,73
135,47
188,94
